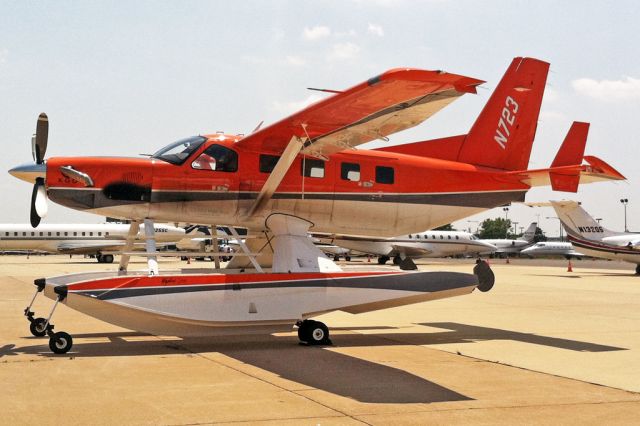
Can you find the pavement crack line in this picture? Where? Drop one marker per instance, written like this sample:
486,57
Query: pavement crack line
501,407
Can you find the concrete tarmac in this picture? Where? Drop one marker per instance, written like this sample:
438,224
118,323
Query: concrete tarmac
544,346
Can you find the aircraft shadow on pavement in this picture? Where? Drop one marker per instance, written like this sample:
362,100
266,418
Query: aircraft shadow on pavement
313,367
464,333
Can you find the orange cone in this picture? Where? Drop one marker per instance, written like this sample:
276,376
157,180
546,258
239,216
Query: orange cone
188,260
569,267
368,258
508,262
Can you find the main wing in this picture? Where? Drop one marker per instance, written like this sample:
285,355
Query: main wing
393,101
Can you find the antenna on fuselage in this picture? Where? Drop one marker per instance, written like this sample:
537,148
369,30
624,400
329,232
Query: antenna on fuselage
325,90
257,127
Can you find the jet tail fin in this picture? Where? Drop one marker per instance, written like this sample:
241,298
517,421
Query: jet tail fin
578,223
530,232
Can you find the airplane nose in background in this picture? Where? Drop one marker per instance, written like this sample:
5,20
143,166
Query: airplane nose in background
29,172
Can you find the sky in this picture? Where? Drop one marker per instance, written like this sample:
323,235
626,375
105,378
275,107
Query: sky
125,78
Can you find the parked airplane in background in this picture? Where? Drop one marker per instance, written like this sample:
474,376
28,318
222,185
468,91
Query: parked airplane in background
100,240
592,239
415,246
552,248
505,246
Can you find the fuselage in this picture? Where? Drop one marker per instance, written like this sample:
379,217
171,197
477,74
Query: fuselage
423,244
508,246
363,192
77,238
551,248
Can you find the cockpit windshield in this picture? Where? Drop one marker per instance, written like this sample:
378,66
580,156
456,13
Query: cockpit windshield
178,152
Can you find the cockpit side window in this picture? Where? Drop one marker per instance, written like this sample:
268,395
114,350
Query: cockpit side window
178,152
217,158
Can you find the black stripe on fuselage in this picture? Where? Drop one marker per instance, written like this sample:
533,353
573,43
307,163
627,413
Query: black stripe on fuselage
421,282
89,199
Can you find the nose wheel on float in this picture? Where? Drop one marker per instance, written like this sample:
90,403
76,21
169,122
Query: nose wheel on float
59,342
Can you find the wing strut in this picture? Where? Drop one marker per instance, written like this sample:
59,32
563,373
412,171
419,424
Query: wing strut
131,237
277,174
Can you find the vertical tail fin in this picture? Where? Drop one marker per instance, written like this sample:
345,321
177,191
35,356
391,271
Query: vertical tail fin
503,133
578,223
570,153
530,232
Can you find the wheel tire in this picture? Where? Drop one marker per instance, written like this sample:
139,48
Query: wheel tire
99,258
638,269
37,327
60,342
396,260
347,258
382,260
107,258
336,258
318,334
303,331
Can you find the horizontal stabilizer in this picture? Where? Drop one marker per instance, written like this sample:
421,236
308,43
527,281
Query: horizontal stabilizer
567,178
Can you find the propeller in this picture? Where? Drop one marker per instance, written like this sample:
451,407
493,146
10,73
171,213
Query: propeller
39,206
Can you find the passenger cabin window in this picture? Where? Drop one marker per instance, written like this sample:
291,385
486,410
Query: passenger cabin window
75,234
99,234
313,168
350,171
66,234
268,163
57,234
384,175
48,234
91,234
41,234
33,234
217,158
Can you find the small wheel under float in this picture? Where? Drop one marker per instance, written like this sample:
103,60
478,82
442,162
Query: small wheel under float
313,333
60,342
38,327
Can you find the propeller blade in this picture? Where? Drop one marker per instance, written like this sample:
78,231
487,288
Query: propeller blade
39,207
41,138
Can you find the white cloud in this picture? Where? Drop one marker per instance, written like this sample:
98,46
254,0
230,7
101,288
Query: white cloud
375,30
552,116
296,61
341,51
4,53
316,33
348,33
608,90
550,95
286,108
